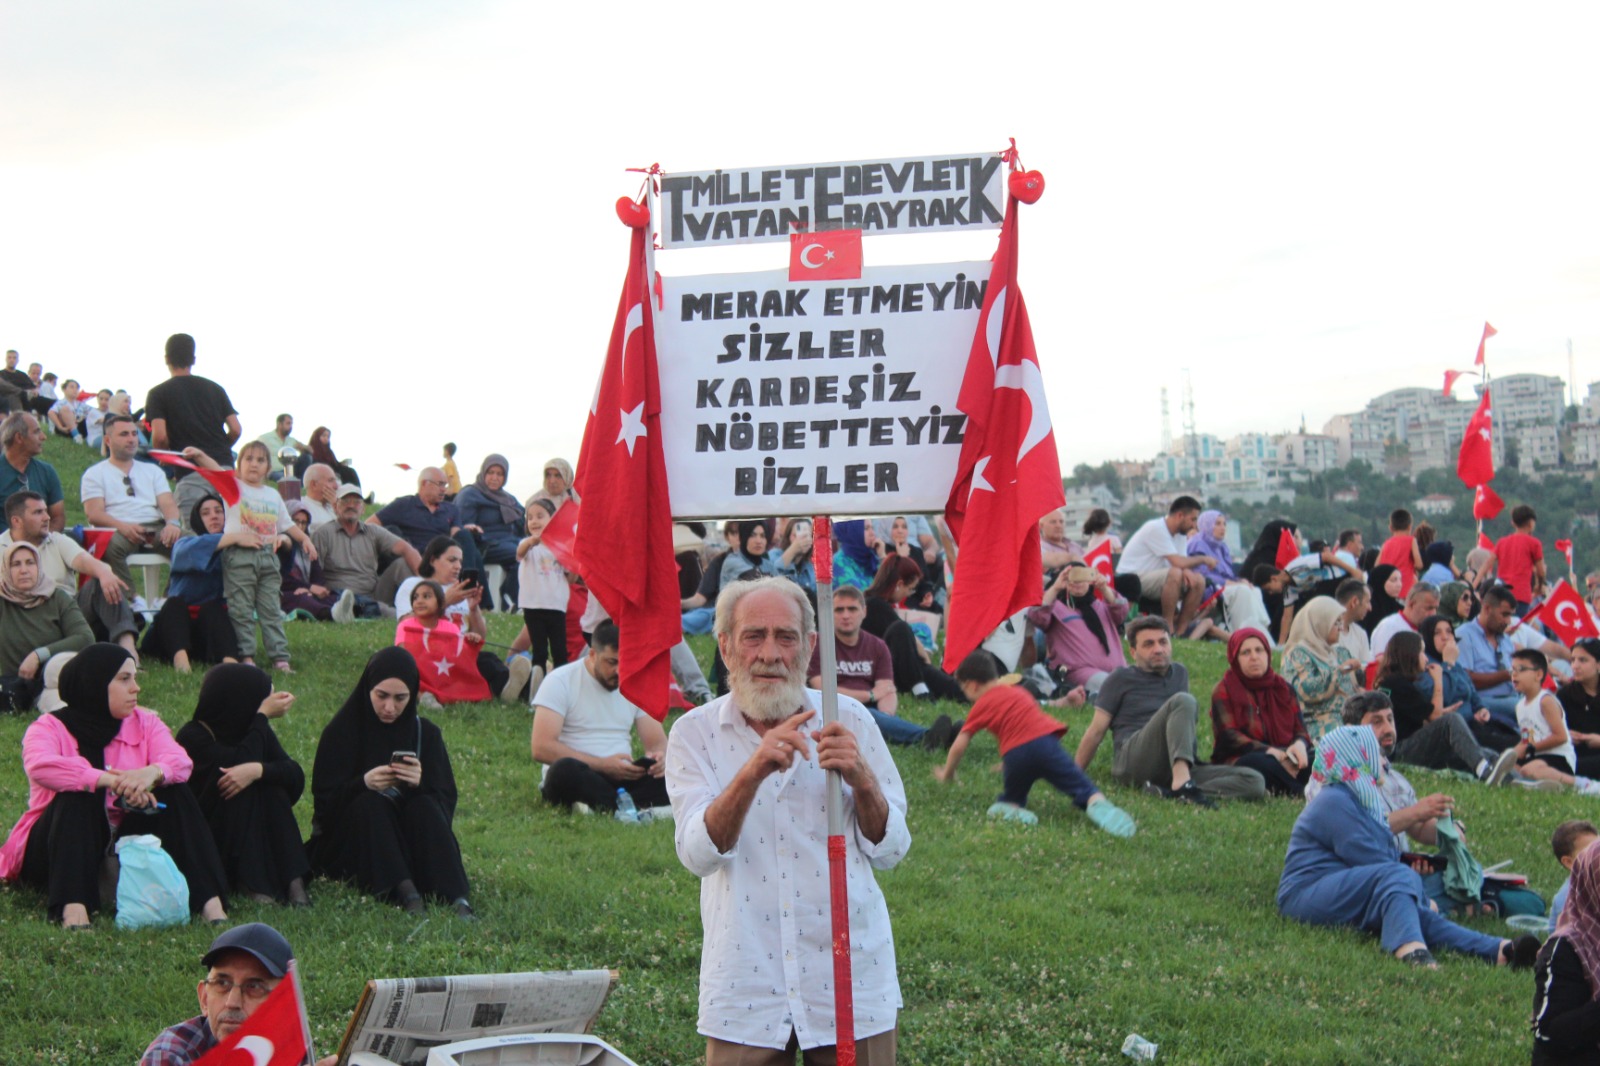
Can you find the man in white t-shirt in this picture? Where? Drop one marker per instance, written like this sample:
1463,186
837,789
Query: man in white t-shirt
1356,599
1421,601
1349,550
583,734
131,497
1159,554
103,597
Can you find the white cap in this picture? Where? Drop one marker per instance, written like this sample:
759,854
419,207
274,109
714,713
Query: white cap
348,489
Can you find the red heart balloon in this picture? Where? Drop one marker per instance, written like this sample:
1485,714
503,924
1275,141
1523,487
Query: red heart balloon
632,212
1027,185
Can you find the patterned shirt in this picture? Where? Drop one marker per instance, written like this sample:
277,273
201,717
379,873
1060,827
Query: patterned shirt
181,1044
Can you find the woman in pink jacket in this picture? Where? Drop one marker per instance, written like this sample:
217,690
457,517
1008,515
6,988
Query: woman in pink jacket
101,766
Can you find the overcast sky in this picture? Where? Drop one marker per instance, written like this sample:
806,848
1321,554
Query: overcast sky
395,218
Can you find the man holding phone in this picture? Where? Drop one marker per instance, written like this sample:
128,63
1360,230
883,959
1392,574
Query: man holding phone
583,734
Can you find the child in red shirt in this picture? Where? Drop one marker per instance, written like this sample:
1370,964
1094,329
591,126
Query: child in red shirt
1519,557
1030,748
1400,550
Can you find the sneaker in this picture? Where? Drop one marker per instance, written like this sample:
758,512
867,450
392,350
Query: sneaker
520,670
1111,818
1496,772
940,735
1540,785
581,807
344,610
429,702
1585,786
1012,813
1187,794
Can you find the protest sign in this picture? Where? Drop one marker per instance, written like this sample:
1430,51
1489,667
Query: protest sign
782,397
878,196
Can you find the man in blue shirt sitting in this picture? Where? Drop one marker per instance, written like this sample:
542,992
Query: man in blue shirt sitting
1486,653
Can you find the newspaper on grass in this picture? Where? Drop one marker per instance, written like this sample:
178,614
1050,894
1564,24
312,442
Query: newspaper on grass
399,1019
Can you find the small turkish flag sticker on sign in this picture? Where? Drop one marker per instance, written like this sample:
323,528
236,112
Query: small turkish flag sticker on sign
826,256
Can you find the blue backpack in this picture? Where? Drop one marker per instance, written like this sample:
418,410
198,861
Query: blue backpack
150,890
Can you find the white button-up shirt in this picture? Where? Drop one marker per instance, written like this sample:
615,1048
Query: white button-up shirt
766,960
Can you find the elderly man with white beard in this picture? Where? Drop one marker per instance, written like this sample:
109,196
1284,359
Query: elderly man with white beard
747,775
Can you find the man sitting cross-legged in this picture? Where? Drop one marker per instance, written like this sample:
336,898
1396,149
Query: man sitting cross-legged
582,733
865,672
131,497
1152,719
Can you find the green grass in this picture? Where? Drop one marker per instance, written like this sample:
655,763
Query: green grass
1015,945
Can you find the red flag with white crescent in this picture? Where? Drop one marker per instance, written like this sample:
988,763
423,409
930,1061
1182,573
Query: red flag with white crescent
226,482
622,478
1566,615
561,534
447,663
1288,550
275,1035
1484,542
1008,476
834,255
1486,503
1475,464
1099,557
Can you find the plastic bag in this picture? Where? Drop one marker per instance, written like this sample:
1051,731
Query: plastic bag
150,889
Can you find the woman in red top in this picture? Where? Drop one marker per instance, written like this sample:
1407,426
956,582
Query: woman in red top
1255,719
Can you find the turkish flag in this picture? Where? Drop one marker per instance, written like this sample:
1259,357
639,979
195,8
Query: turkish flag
1475,464
1099,557
226,482
447,665
827,256
1288,549
1566,615
622,476
1008,476
1565,548
1484,542
1488,331
561,533
1486,503
275,1035
1450,377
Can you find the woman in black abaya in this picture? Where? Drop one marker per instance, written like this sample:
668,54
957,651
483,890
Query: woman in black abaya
384,796
246,783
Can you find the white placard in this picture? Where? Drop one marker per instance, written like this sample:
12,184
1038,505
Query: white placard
876,196
799,398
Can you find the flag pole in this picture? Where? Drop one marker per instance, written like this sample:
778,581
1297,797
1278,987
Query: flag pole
300,1005
843,992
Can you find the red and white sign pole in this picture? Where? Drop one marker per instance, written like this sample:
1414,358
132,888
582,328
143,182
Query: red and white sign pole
839,896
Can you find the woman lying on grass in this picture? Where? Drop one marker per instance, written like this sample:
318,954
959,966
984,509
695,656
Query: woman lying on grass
1343,867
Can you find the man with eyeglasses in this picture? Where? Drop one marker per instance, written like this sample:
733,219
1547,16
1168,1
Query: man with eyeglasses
23,471
130,497
418,519
243,966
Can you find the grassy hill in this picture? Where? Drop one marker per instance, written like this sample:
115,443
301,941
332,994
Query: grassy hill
1015,945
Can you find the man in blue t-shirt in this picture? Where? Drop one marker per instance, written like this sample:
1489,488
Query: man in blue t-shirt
1486,653
418,519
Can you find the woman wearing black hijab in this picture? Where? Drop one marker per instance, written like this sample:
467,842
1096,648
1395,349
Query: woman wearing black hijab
193,625
246,784
1385,587
104,766
383,794
1265,553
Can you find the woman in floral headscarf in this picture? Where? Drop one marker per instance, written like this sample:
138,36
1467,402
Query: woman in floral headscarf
1343,867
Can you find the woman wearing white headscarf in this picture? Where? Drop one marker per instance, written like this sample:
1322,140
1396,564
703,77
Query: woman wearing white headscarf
1321,671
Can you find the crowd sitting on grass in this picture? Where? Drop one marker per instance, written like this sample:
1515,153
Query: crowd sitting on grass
1404,659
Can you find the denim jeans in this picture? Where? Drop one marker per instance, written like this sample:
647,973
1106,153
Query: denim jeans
897,730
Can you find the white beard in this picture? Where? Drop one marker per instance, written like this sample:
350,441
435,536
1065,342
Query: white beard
767,703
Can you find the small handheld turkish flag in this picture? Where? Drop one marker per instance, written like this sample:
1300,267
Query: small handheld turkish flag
1099,557
1486,503
1567,616
1450,378
1565,548
1488,331
561,535
275,1035
829,256
1475,464
1484,542
1288,549
226,482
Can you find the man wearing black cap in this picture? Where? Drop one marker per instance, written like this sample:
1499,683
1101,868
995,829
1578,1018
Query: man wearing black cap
243,966
188,410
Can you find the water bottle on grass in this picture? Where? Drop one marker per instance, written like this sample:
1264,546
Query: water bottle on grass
626,811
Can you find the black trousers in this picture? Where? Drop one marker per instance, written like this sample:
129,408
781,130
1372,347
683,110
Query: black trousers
910,670
258,840
1280,782
573,781
19,693
380,842
547,636
208,638
494,671
68,843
